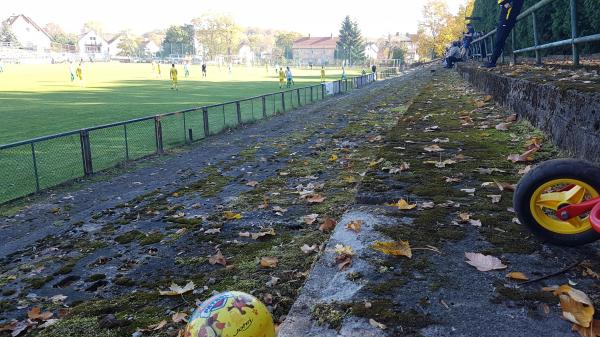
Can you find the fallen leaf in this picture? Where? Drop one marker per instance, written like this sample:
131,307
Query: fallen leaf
36,314
333,157
427,205
476,223
231,215
375,163
263,233
525,156
376,324
433,148
179,317
525,170
327,225
468,190
505,186
272,282
48,323
343,261
218,258
484,262
576,305
343,250
212,231
487,98
314,199
502,127
268,262
306,249
310,218
56,299
592,331
355,225
252,183
155,327
495,198
396,248
265,203
403,205
511,118
451,180
175,289
517,275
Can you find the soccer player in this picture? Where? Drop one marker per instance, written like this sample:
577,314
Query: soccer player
322,74
158,70
173,76
343,73
79,73
290,77
71,72
1,67
281,78
204,70
186,69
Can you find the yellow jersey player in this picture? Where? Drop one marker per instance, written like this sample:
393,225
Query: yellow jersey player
322,74
79,73
158,69
281,78
173,75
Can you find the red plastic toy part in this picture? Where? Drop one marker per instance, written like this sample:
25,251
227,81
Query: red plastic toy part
595,217
592,206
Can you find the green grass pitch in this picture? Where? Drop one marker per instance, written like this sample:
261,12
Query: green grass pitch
38,100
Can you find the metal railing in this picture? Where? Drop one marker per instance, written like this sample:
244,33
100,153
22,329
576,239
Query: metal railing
481,47
29,166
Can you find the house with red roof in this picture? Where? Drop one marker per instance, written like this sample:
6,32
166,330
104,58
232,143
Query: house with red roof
315,50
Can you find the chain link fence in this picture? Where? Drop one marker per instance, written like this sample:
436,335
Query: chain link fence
33,165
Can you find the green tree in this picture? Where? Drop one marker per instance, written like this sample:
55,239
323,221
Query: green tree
178,40
93,25
350,45
6,35
283,44
129,46
218,33
63,41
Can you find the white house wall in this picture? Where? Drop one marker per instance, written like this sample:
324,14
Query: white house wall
28,36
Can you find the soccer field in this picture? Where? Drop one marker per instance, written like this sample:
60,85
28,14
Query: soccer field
38,100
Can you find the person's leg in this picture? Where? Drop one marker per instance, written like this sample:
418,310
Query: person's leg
506,22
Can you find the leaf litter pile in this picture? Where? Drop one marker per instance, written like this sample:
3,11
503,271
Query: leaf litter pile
252,221
454,241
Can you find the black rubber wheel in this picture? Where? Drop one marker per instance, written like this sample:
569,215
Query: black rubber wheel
551,170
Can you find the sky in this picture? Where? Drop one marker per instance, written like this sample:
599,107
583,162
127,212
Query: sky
315,17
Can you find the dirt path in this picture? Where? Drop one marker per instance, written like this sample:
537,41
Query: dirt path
448,156
110,246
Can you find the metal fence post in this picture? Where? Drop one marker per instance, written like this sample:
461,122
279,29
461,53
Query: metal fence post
185,139
311,93
126,142
283,101
574,32
158,134
264,106
322,90
86,152
538,55
35,169
205,120
238,110
298,94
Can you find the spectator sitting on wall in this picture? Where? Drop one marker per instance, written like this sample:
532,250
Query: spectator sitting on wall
467,39
453,55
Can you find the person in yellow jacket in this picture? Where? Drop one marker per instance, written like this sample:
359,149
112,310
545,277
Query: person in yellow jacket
173,76
281,78
322,74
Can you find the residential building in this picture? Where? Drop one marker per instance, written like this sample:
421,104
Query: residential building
112,43
315,50
29,34
92,46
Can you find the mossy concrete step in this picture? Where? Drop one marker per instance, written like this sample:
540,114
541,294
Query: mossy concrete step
568,113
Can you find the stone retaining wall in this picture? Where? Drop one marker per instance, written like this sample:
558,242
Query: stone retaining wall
569,117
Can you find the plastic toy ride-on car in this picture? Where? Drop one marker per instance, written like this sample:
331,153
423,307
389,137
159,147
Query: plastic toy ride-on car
559,201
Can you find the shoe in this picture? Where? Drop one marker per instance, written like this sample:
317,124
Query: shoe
489,65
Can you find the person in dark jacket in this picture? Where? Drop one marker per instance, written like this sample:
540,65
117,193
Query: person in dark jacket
509,10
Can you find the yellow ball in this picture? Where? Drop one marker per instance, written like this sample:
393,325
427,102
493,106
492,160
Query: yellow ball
231,314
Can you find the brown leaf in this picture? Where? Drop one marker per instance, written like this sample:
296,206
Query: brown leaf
505,186
179,317
268,262
263,233
511,118
495,198
343,261
433,148
265,203
327,225
314,198
355,225
576,305
487,98
218,258
376,324
484,262
395,248
517,275
502,127
525,156
36,314
306,249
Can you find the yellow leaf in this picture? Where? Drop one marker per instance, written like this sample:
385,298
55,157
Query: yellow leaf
396,248
355,225
232,215
517,275
403,205
576,305
343,250
175,290
333,157
592,331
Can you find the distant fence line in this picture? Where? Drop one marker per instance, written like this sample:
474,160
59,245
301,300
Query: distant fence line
30,166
